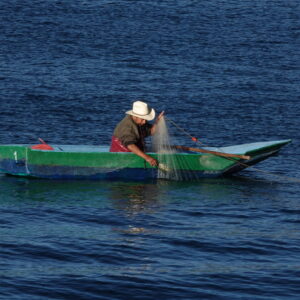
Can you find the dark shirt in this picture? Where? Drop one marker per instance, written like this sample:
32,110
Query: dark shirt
128,132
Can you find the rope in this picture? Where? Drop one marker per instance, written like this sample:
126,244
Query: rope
184,131
294,179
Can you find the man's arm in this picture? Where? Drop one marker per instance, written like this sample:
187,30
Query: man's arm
136,150
153,129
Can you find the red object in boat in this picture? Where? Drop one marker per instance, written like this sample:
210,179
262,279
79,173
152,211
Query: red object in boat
43,146
117,146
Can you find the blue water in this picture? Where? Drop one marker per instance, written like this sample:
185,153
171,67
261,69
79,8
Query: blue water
225,71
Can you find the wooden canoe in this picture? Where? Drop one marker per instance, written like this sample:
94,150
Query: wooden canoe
96,162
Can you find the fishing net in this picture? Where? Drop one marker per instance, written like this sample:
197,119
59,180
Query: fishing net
172,164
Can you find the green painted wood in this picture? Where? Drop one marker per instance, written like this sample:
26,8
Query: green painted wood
181,161
8,151
110,160
267,148
126,160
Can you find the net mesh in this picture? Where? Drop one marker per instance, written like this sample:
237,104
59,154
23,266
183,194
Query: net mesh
171,165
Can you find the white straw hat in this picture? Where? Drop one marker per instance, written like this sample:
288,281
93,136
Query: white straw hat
142,110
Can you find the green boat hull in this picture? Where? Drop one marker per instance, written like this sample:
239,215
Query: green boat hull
95,162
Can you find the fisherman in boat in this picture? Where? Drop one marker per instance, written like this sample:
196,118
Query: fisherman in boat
130,133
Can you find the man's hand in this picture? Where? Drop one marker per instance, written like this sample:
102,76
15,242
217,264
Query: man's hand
135,149
153,129
152,161
159,116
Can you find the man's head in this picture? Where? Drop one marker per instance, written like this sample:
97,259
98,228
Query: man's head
138,120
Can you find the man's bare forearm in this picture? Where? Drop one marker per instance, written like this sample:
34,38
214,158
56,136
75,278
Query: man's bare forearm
136,150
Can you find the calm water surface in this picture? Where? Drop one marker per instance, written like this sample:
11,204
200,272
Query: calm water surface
225,71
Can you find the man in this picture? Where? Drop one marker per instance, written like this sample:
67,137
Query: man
130,133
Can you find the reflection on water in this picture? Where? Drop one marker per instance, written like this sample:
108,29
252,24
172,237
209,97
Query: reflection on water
134,198
131,198
136,219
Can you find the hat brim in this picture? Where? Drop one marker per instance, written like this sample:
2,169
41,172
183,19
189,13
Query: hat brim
148,117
